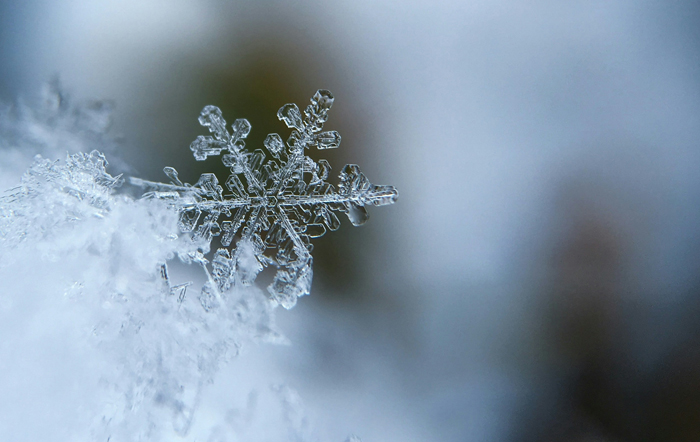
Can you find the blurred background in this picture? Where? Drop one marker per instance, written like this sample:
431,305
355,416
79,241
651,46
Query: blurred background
537,279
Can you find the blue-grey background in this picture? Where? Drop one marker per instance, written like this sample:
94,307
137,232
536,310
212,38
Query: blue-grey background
537,279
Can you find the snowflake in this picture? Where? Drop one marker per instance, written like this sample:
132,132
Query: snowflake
276,202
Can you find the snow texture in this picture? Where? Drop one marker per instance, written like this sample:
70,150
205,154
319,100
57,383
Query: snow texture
100,340
276,202
51,125
98,258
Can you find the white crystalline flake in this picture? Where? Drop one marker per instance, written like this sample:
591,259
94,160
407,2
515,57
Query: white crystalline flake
103,341
275,203
51,194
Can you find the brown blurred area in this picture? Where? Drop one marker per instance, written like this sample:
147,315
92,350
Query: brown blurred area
597,388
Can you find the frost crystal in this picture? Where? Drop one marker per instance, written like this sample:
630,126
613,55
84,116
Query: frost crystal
51,125
82,268
51,194
101,329
276,202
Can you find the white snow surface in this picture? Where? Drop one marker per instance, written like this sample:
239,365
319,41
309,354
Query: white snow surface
95,344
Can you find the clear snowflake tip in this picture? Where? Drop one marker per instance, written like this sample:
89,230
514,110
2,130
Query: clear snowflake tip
212,118
289,113
323,98
241,128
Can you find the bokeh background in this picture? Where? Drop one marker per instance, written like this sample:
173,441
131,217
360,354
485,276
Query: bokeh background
537,279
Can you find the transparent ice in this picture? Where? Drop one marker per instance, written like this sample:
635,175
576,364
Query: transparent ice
276,201
90,263
100,338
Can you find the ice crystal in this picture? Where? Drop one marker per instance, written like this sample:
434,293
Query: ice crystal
102,330
90,263
276,202
51,194
51,125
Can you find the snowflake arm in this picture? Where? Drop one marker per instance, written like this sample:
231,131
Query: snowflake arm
276,203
